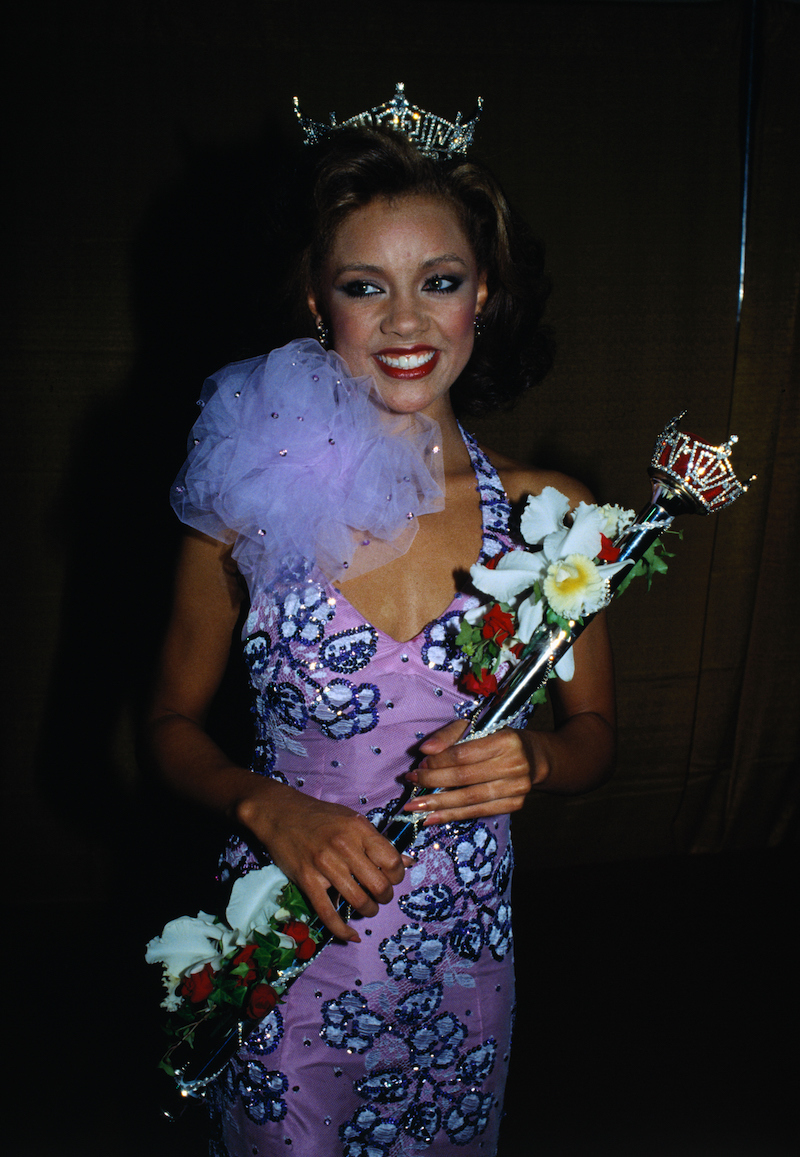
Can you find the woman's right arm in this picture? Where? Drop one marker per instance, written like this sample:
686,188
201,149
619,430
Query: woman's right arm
317,844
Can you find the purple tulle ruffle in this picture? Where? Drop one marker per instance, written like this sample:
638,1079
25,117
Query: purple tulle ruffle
296,462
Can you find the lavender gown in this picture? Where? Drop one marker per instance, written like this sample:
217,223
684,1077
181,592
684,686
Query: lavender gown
398,1045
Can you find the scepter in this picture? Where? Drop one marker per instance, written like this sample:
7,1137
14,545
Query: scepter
688,476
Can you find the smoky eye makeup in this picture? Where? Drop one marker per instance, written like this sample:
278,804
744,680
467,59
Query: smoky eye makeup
444,283
358,288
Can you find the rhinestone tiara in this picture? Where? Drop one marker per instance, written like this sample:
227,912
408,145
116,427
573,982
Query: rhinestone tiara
433,136
702,473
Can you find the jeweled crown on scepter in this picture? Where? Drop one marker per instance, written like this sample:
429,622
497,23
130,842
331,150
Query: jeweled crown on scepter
432,135
698,472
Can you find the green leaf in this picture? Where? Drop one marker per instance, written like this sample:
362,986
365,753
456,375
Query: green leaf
267,940
557,620
295,902
639,568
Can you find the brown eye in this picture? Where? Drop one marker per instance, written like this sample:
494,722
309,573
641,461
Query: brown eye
443,283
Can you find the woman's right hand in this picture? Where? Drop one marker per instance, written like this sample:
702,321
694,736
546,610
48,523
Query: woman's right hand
321,847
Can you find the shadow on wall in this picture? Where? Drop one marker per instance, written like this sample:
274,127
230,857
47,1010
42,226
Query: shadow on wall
210,262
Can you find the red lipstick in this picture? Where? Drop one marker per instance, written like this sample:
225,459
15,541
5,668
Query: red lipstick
407,363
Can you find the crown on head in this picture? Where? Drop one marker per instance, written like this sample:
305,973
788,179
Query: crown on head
433,136
701,473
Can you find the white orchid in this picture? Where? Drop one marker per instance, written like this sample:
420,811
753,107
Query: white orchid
221,970
516,572
189,943
582,537
565,667
542,523
543,514
574,586
562,576
530,613
186,945
573,583
172,1001
255,900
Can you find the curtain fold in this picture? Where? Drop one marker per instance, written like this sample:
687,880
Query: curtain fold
749,671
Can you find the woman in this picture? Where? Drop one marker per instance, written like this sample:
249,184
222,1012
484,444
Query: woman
396,1039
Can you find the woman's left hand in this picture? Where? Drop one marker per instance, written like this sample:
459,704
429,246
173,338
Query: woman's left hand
493,776
483,777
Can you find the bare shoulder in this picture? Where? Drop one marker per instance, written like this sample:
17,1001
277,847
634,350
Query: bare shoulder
206,567
519,481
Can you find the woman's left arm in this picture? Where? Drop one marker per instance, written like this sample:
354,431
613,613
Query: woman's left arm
493,776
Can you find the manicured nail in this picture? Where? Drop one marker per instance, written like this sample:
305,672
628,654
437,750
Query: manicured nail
415,805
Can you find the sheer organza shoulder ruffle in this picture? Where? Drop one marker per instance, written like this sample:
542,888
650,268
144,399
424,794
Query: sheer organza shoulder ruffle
296,462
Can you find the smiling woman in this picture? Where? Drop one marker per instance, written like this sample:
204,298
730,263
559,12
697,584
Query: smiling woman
396,1039
400,292
378,170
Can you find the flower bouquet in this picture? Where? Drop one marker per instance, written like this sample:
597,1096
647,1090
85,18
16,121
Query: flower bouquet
224,976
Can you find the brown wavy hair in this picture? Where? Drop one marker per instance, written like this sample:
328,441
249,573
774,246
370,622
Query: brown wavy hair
514,350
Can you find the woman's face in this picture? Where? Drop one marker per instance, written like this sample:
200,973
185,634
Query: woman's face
400,293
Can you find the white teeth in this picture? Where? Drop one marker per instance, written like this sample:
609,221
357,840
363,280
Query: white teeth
406,361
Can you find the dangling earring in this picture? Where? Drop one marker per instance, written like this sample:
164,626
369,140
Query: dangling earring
478,325
322,333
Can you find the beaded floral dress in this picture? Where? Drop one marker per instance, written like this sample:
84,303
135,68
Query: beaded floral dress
398,1045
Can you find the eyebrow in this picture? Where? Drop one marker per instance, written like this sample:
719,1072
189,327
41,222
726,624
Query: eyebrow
442,259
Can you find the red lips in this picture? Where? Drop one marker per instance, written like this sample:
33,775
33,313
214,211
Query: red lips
405,372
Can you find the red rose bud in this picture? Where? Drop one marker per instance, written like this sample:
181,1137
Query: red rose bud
485,685
305,949
494,560
198,986
608,552
497,625
297,930
260,1002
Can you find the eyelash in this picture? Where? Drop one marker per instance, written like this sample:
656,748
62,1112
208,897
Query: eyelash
454,283
360,289
440,283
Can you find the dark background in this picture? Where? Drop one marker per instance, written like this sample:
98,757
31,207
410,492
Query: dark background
147,147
